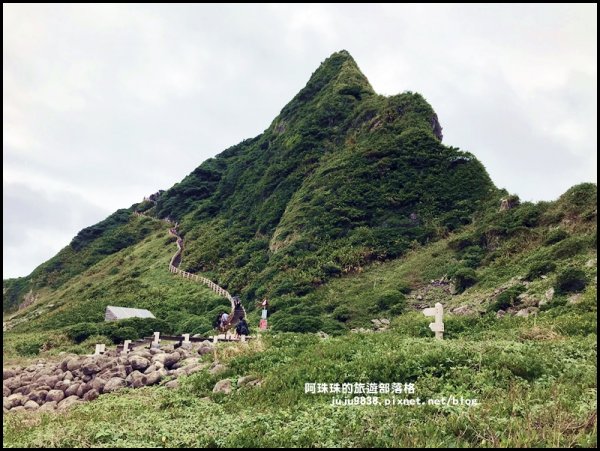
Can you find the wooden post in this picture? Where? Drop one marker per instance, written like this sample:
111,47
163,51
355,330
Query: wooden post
438,325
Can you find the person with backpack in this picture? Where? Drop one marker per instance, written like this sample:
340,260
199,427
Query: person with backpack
242,328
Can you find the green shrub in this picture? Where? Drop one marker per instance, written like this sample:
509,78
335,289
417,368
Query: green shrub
390,298
81,331
538,269
342,313
464,278
287,323
568,248
555,236
507,298
570,280
30,347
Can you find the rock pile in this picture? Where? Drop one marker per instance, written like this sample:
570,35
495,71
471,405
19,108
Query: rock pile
76,379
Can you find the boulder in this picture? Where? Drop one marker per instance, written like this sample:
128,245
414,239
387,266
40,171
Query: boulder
38,396
5,391
167,359
13,382
114,384
98,384
52,381
73,364
8,373
72,390
68,376
62,385
17,409
136,379
223,386
205,348
31,405
500,313
17,400
68,402
549,294
6,404
172,384
24,390
242,381
153,378
91,395
217,369
150,369
55,395
83,389
139,363
48,407
90,367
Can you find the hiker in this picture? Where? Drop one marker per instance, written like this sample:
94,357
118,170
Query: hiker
264,304
224,319
217,322
242,328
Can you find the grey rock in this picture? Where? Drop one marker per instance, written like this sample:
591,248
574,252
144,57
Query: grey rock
73,364
5,391
205,349
48,407
17,399
549,294
72,390
217,369
139,363
17,409
68,402
500,313
31,405
242,381
55,395
90,367
91,395
62,385
223,386
24,390
172,384
114,384
38,396
8,373
98,384
136,379
153,378
13,383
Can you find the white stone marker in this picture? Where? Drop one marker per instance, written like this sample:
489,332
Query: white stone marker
126,344
186,343
438,325
156,342
100,349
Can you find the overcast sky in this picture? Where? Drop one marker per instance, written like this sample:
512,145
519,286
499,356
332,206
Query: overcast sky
105,104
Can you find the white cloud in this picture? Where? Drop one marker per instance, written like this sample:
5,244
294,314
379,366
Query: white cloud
104,104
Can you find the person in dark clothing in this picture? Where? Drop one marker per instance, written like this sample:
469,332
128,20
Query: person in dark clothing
242,328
